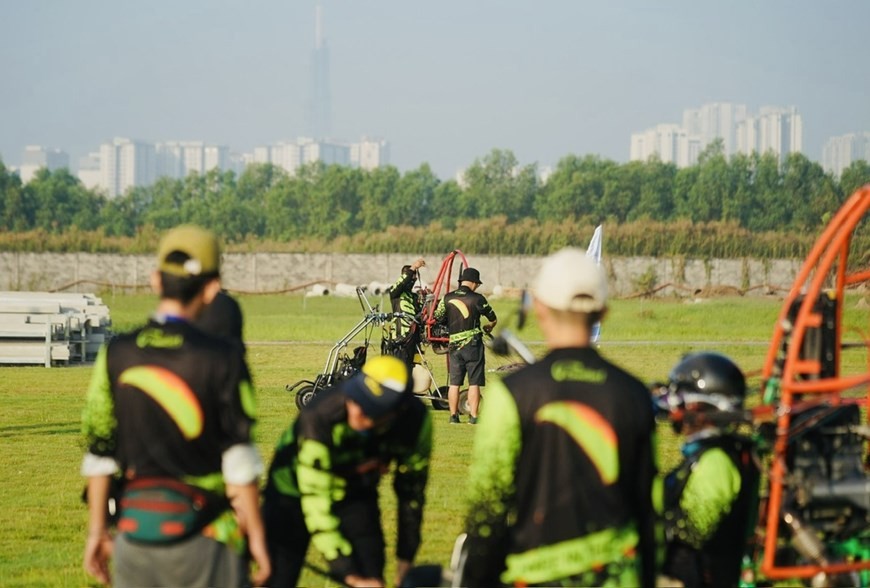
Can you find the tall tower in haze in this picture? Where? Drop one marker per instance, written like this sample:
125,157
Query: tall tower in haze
320,107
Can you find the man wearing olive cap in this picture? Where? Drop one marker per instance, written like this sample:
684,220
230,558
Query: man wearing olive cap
563,465
170,410
323,482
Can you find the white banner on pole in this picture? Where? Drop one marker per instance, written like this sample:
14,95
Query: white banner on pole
594,251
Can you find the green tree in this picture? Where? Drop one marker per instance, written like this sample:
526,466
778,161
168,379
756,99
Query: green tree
857,175
621,187
707,197
496,184
655,200
574,190
378,207
164,201
61,202
17,208
773,212
445,203
415,196
812,194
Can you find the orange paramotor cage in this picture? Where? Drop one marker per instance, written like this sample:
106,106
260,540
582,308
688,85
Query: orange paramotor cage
440,287
824,273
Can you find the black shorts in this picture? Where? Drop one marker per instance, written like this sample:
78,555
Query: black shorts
468,359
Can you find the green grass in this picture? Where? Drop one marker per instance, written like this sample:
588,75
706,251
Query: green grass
43,519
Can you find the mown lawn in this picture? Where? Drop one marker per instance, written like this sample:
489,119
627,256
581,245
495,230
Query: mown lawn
43,519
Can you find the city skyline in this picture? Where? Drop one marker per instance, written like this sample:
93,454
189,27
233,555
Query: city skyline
444,86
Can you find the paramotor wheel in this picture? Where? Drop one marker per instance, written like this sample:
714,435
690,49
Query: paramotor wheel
464,408
304,396
441,392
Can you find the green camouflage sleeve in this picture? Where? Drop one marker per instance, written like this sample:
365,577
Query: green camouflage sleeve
409,483
98,417
497,443
320,488
710,491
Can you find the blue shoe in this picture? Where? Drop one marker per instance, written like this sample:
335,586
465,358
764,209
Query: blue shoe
454,419
472,420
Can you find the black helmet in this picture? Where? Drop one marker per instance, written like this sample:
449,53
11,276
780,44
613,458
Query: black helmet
708,378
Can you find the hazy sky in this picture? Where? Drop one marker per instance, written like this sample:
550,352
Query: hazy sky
444,81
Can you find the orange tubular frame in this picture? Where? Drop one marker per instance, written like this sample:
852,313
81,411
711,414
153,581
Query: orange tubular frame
827,259
440,287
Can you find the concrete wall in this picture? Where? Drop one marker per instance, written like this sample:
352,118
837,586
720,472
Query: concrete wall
274,272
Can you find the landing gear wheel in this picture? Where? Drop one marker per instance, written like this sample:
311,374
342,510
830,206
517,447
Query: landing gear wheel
441,392
464,408
304,396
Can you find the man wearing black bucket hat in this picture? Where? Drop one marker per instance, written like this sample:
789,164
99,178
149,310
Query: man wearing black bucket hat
462,309
323,482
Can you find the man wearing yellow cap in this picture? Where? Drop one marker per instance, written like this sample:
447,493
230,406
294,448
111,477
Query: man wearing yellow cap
323,482
169,411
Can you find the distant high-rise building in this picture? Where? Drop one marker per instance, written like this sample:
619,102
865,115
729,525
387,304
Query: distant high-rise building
367,154
177,159
370,153
320,108
89,170
126,163
714,121
262,155
36,157
840,152
669,142
287,156
327,152
774,129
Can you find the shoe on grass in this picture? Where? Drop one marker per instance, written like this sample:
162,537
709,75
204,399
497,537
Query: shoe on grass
472,420
454,419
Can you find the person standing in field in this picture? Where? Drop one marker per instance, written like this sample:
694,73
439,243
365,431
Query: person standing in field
324,479
223,317
170,408
711,498
462,309
406,332
561,477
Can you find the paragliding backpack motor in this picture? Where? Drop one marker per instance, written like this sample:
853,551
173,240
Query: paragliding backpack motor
827,502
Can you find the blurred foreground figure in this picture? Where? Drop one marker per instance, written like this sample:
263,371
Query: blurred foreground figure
323,482
711,498
563,463
170,409
223,317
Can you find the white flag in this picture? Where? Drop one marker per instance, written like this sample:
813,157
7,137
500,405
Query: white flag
594,251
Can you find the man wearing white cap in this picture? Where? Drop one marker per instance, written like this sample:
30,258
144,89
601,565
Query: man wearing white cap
563,463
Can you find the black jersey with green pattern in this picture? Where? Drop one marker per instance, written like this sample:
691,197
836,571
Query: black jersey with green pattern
321,460
462,309
168,400
710,508
561,482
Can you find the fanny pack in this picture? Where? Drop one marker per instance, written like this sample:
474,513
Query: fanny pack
160,511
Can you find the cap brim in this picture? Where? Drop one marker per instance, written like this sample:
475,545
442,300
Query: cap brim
355,390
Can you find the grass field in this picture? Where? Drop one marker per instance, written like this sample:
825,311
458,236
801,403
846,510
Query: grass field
43,519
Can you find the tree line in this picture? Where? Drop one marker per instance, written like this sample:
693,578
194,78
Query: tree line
745,205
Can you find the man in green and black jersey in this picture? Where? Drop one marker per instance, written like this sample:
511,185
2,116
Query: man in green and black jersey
462,310
561,480
406,331
169,410
323,481
710,499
